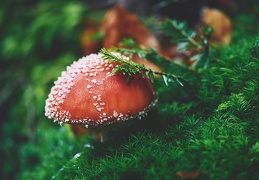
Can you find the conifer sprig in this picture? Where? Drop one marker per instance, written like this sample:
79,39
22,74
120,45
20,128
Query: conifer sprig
130,68
187,39
255,50
181,27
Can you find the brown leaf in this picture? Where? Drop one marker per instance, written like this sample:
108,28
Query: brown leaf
89,42
119,24
221,24
79,130
188,175
147,64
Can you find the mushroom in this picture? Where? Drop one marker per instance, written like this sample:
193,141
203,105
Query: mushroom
89,94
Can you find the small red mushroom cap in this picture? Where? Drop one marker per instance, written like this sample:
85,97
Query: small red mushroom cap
88,93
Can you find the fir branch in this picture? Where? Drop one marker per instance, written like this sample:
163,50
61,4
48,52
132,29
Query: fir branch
129,67
189,41
181,28
255,50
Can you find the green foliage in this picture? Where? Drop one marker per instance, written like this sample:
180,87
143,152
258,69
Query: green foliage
186,40
180,33
210,124
38,40
129,67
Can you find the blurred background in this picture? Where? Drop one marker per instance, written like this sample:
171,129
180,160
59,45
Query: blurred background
38,39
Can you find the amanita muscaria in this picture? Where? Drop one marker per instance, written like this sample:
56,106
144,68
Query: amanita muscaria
88,93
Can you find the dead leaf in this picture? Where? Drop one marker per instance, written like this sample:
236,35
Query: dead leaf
79,130
147,64
119,24
90,42
220,22
188,175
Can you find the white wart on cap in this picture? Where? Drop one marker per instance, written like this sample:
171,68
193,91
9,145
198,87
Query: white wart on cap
88,94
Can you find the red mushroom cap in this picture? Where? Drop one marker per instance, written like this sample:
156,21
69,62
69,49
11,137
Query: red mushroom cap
88,93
